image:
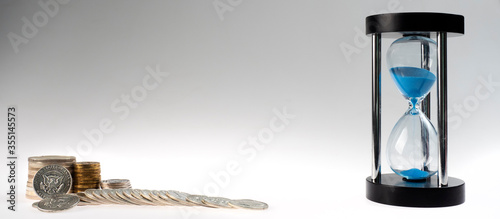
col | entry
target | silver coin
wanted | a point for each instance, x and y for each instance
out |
(116, 181)
(35, 205)
(248, 204)
(105, 194)
(121, 194)
(217, 202)
(113, 193)
(144, 194)
(84, 198)
(58, 202)
(52, 158)
(133, 195)
(137, 194)
(51, 180)
(147, 195)
(154, 194)
(98, 194)
(91, 196)
(197, 200)
(163, 195)
(179, 196)
(115, 184)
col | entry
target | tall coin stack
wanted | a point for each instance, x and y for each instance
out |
(87, 175)
(35, 163)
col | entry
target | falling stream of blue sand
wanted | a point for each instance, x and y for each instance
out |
(413, 82)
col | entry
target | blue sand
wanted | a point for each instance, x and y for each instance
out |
(414, 174)
(413, 82)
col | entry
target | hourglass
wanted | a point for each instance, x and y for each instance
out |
(416, 152)
(412, 145)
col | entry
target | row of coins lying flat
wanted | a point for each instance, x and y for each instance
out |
(163, 198)
(141, 197)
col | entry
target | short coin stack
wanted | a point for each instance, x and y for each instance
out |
(87, 175)
(36, 163)
(116, 184)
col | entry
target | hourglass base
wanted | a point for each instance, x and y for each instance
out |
(393, 190)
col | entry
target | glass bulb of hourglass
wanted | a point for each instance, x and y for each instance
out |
(412, 145)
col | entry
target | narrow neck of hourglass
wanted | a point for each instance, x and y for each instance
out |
(414, 105)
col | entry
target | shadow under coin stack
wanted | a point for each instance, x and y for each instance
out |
(35, 163)
(87, 175)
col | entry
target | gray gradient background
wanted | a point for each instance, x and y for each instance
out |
(226, 78)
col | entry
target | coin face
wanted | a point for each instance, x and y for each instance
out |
(51, 180)
(58, 202)
(248, 204)
(217, 202)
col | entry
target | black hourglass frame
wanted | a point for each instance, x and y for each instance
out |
(439, 190)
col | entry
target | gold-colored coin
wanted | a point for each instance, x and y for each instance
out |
(88, 178)
(87, 165)
(87, 182)
(86, 171)
(85, 187)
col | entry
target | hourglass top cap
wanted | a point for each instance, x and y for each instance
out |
(418, 23)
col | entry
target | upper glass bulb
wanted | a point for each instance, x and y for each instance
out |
(412, 62)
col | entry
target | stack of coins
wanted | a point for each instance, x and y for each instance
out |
(116, 184)
(86, 175)
(35, 163)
